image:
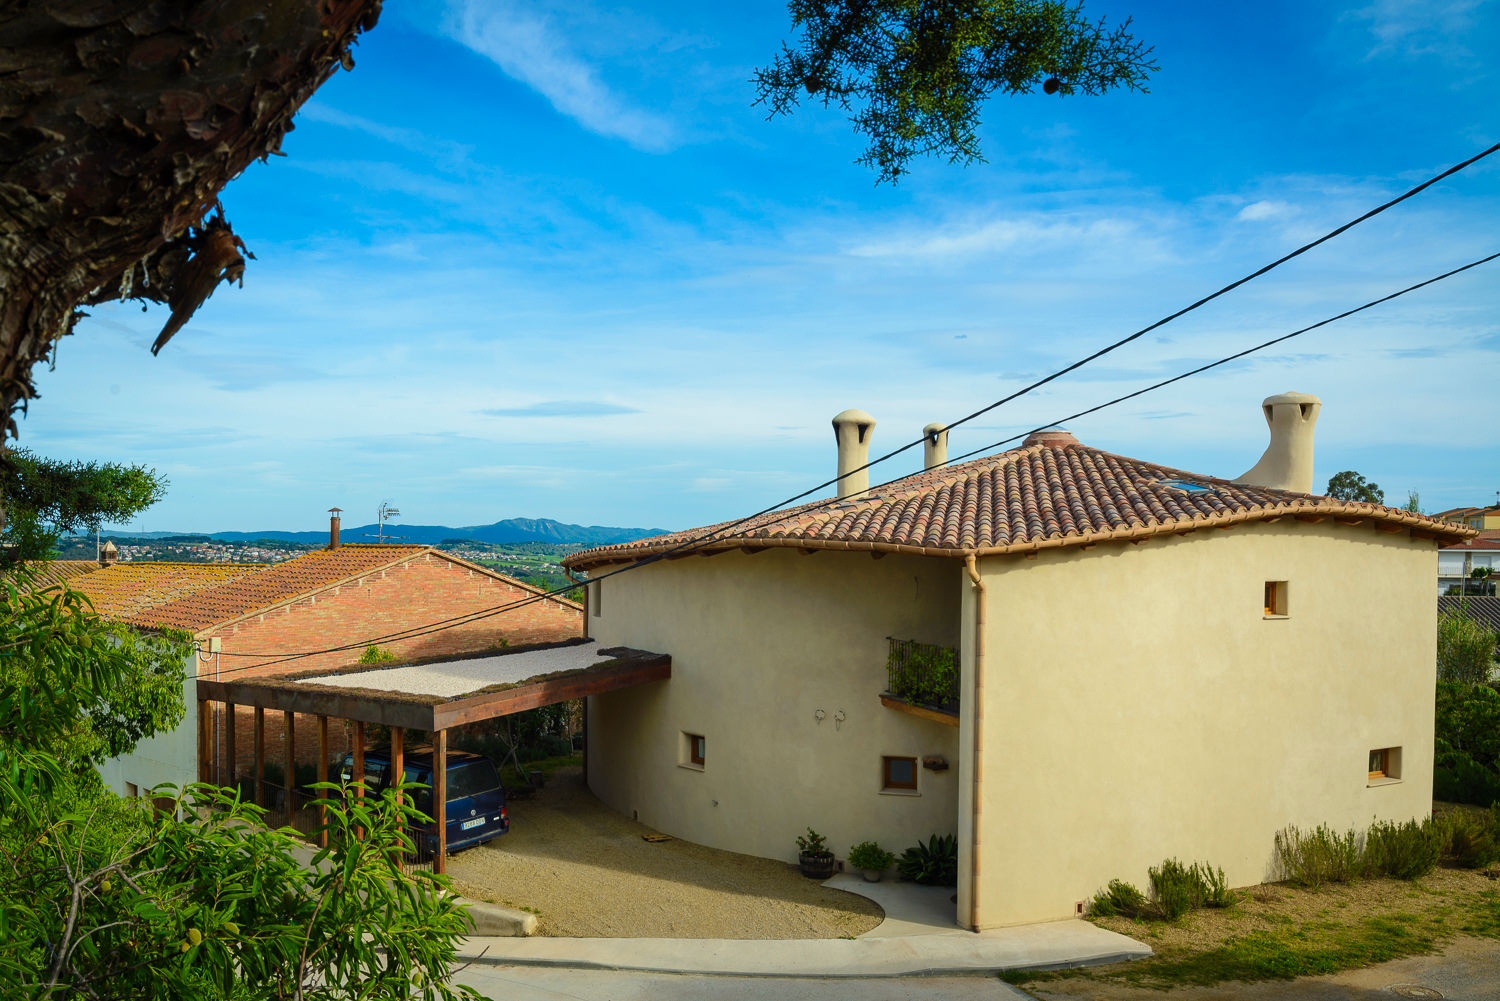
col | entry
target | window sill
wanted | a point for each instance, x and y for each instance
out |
(900, 792)
(1387, 781)
(690, 766)
(1276, 616)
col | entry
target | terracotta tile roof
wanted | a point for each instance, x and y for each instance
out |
(1050, 492)
(1476, 544)
(269, 586)
(55, 571)
(128, 591)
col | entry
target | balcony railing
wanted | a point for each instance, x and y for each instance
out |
(924, 675)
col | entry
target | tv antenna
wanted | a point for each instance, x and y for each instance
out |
(386, 511)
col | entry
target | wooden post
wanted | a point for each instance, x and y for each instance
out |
(440, 799)
(585, 741)
(398, 771)
(260, 756)
(322, 777)
(229, 750)
(289, 750)
(359, 769)
(205, 740)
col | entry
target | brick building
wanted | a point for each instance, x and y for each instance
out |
(316, 612)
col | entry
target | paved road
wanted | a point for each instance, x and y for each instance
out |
(531, 983)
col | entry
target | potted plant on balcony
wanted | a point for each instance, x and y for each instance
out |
(871, 859)
(813, 856)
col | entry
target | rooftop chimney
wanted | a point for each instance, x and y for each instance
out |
(1288, 461)
(333, 527)
(109, 553)
(934, 446)
(852, 430)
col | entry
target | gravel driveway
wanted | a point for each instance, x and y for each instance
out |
(587, 872)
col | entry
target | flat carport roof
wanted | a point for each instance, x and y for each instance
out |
(438, 695)
(431, 696)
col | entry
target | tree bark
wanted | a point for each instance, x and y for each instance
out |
(120, 123)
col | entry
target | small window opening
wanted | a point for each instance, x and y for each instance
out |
(692, 751)
(1276, 595)
(898, 773)
(1385, 763)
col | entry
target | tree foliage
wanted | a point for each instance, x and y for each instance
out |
(47, 497)
(1350, 486)
(101, 898)
(1465, 649)
(914, 73)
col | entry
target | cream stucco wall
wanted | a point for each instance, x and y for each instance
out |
(1140, 705)
(759, 642)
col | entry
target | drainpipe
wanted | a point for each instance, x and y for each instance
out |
(971, 566)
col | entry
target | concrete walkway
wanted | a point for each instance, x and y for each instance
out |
(917, 938)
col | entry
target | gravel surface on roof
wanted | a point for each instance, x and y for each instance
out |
(450, 679)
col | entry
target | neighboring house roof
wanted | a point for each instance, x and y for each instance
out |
(271, 586)
(56, 571)
(1050, 492)
(1487, 541)
(1485, 611)
(129, 591)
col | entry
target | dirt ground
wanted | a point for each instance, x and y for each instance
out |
(586, 871)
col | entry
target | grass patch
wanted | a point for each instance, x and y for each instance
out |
(1279, 932)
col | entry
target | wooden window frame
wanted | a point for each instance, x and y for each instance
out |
(697, 749)
(888, 782)
(1380, 757)
(1276, 603)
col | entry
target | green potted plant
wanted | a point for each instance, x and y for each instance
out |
(813, 856)
(871, 859)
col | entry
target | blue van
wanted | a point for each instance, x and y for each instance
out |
(476, 799)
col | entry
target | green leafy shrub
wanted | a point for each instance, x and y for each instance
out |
(812, 843)
(1175, 888)
(869, 855)
(923, 673)
(376, 655)
(1467, 840)
(1322, 855)
(1467, 741)
(1404, 851)
(934, 863)
(1213, 888)
(1465, 649)
(1119, 897)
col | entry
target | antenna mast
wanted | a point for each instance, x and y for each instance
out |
(385, 511)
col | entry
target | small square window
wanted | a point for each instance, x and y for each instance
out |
(1276, 603)
(1385, 764)
(692, 750)
(898, 773)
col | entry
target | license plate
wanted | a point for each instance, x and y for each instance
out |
(476, 822)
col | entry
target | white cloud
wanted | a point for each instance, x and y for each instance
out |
(450, 153)
(529, 48)
(1420, 27)
(1261, 211)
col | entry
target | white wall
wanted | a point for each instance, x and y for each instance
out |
(168, 757)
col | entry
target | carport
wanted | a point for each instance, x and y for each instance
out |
(431, 696)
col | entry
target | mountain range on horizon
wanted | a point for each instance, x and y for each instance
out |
(506, 531)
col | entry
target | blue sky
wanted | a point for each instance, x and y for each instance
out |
(546, 260)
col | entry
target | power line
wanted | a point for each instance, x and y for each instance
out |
(415, 632)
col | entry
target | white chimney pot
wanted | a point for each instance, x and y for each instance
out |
(934, 446)
(1288, 461)
(852, 430)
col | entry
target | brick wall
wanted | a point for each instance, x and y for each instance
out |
(424, 589)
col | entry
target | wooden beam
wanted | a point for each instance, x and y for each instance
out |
(260, 756)
(440, 799)
(922, 712)
(1386, 526)
(358, 775)
(322, 777)
(340, 705)
(1311, 519)
(1348, 521)
(230, 712)
(545, 693)
(398, 774)
(205, 741)
(289, 753)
